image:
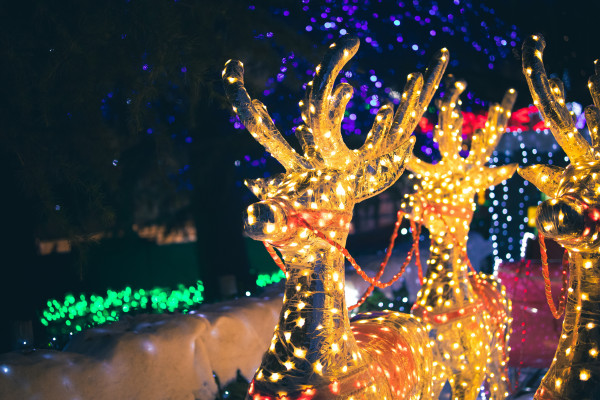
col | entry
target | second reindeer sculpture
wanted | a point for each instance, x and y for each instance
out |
(467, 314)
(314, 353)
(571, 217)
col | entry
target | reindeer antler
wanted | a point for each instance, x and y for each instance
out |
(255, 118)
(323, 111)
(548, 96)
(485, 141)
(386, 146)
(448, 135)
(324, 107)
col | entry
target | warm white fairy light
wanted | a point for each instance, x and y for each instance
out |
(469, 314)
(306, 210)
(571, 217)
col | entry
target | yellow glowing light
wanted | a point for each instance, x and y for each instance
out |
(555, 219)
(320, 187)
(444, 202)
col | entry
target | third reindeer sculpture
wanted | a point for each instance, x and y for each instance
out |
(466, 314)
(571, 217)
(316, 353)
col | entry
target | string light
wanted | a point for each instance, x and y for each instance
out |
(76, 313)
(467, 314)
(306, 210)
(570, 217)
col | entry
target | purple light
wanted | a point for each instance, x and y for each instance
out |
(188, 139)
(286, 13)
(145, 67)
(183, 69)
(432, 32)
(399, 39)
(308, 28)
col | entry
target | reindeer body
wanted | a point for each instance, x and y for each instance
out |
(469, 325)
(570, 217)
(316, 353)
(466, 314)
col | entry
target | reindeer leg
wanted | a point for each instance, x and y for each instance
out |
(497, 374)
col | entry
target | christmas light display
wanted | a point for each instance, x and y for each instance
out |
(314, 353)
(570, 217)
(76, 313)
(467, 314)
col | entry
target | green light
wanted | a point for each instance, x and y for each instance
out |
(82, 311)
(266, 279)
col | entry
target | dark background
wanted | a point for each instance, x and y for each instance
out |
(113, 115)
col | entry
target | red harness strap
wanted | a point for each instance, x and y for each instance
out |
(442, 318)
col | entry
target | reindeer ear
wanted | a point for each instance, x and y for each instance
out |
(264, 188)
(492, 176)
(376, 175)
(545, 177)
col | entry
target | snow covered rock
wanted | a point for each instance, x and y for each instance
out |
(149, 356)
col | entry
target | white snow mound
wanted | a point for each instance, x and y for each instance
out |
(148, 356)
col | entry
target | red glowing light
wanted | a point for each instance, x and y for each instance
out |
(335, 387)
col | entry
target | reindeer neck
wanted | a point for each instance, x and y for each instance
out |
(575, 371)
(447, 286)
(312, 343)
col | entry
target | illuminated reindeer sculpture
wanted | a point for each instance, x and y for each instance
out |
(314, 354)
(571, 217)
(467, 314)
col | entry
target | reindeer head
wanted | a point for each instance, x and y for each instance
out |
(571, 214)
(444, 195)
(322, 185)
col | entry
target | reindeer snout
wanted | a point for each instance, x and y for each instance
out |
(267, 221)
(561, 219)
